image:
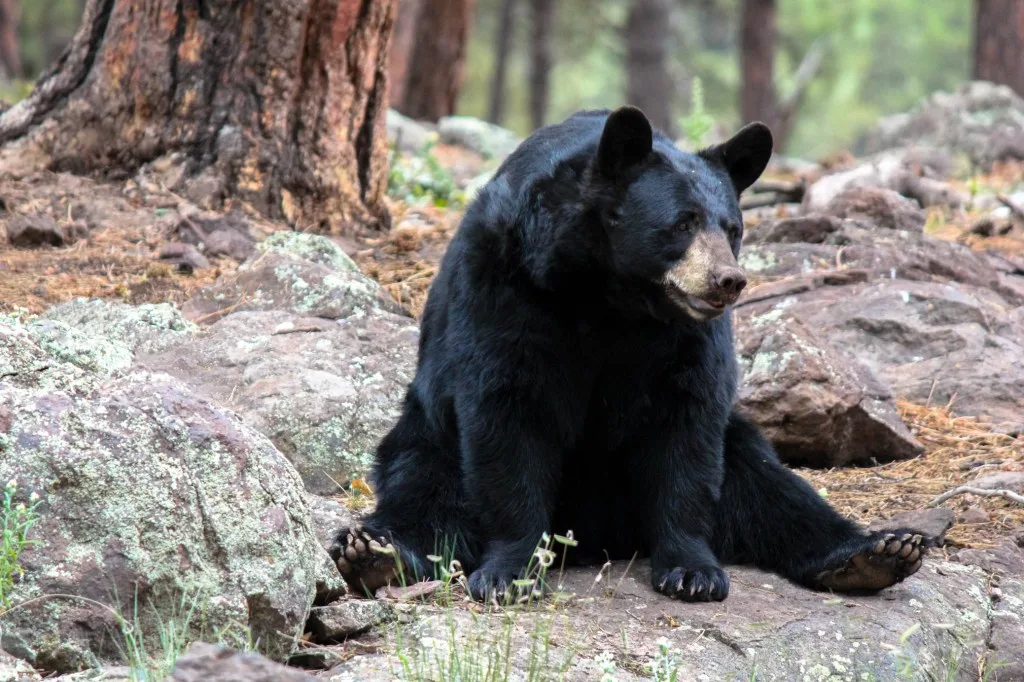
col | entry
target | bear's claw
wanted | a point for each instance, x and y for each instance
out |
(887, 560)
(366, 563)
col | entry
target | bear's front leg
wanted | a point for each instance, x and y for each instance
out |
(513, 446)
(677, 479)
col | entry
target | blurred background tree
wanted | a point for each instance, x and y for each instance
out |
(819, 71)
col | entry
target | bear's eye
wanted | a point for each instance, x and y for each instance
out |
(687, 224)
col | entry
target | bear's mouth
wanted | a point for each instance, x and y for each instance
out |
(700, 309)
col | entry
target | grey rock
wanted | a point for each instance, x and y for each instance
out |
(341, 620)
(933, 522)
(1001, 480)
(149, 495)
(487, 139)
(982, 120)
(230, 243)
(408, 135)
(210, 663)
(324, 391)
(185, 257)
(878, 207)
(30, 231)
(328, 518)
(15, 670)
(973, 515)
(816, 404)
(301, 273)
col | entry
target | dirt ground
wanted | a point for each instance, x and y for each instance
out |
(126, 224)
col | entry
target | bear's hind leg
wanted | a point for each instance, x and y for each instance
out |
(420, 511)
(770, 517)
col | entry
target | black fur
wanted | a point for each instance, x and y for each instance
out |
(560, 388)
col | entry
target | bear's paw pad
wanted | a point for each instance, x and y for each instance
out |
(706, 583)
(365, 562)
(886, 559)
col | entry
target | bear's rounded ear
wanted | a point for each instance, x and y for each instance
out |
(745, 155)
(626, 141)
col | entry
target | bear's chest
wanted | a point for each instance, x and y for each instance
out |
(646, 377)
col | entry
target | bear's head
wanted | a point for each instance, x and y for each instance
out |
(675, 220)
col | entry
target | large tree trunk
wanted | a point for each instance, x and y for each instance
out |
(542, 18)
(999, 42)
(278, 103)
(401, 49)
(10, 53)
(438, 54)
(502, 47)
(758, 36)
(648, 83)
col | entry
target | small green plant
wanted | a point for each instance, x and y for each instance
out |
(421, 179)
(698, 122)
(665, 664)
(151, 658)
(18, 518)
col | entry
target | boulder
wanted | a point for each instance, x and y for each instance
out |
(324, 391)
(211, 663)
(297, 272)
(409, 136)
(153, 500)
(16, 670)
(341, 620)
(30, 231)
(982, 120)
(818, 406)
(487, 139)
(881, 208)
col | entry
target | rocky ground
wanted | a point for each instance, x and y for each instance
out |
(193, 397)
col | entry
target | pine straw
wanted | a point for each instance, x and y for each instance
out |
(957, 450)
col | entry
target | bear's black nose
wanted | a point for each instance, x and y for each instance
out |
(730, 281)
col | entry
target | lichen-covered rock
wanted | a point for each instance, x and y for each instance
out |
(210, 663)
(817, 405)
(297, 272)
(983, 120)
(348, 618)
(487, 139)
(324, 391)
(15, 670)
(149, 495)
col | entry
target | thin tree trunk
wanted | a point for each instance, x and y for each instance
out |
(502, 46)
(401, 49)
(542, 17)
(278, 103)
(999, 42)
(648, 83)
(438, 55)
(758, 37)
(10, 52)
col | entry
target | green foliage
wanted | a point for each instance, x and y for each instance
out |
(421, 179)
(698, 123)
(17, 518)
(883, 57)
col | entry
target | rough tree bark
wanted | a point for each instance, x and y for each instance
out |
(10, 54)
(758, 36)
(542, 17)
(438, 54)
(401, 49)
(278, 103)
(502, 47)
(999, 42)
(759, 99)
(648, 83)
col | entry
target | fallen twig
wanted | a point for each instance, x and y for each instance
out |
(981, 492)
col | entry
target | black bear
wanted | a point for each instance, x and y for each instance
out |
(576, 371)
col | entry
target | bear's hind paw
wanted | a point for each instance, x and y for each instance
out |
(366, 563)
(885, 559)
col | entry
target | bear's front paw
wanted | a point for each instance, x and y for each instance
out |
(703, 583)
(366, 563)
(881, 560)
(497, 585)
